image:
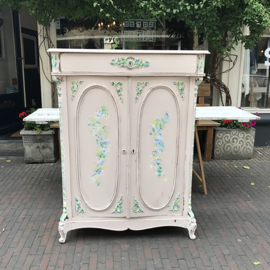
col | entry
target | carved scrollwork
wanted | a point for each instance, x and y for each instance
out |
(192, 226)
(236, 143)
(130, 62)
(63, 235)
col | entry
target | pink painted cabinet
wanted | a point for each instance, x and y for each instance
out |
(127, 125)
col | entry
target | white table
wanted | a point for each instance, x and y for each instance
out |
(42, 116)
(217, 113)
(224, 113)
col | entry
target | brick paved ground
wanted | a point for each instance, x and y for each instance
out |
(233, 224)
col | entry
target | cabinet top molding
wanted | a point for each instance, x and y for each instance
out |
(132, 52)
(69, 62)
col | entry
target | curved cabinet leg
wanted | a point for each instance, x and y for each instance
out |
(62, 232)
(192, 226)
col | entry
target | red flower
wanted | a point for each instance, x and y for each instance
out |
(22, 114)
(227, 121)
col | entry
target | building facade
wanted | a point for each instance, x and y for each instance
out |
(19, 66)
(24, 57)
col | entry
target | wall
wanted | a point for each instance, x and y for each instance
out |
(45, 66)
(233, 78)
(7, 64)
(27, 21)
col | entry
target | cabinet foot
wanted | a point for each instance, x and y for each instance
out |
(62, 232)
(192, 226)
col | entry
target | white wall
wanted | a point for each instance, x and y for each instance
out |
(45, 66)
(233, 78)
(7, 64)
(27, 20)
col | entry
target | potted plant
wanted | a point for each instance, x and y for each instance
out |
(39, 141)
(234, 140)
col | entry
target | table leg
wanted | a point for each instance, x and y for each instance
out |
(208, 144)
(59, 141)
(202, 177)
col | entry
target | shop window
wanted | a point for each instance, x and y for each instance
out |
(137, 34)
(255, 82)
(1, 37)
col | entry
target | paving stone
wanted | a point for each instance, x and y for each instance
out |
(233, 224)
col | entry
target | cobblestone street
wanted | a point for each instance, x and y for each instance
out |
(233, 224)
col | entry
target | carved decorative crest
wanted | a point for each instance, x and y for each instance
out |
(130, 62)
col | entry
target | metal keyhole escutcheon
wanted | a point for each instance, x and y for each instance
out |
(133, 151)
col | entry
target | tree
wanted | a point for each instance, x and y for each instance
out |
(220, 21)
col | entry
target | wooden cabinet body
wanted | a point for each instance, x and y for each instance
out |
(127, 125)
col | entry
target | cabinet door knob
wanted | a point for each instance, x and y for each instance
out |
(124, 151)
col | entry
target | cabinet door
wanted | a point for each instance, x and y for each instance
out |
(158, 133)
(97, 134)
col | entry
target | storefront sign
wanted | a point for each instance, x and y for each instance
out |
(267, 54)
(139, 30)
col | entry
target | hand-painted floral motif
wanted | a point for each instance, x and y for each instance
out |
(64, 214)
(157, 130)
(101, 133)
(139, 88)
(118, 87)
(201, 64)
(197, 83)
(54, 61)
(130, 62)
(176, 206)
(181, 87)
(78, 207)
(136, 207)
(74, 88)
(118, 208)
(57, 82)
(191, 214)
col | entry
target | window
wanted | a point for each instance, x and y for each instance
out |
(138, 34)
(1, 37)
(255, 82)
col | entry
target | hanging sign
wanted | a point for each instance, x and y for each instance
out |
(139, 30)
(267, 54)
